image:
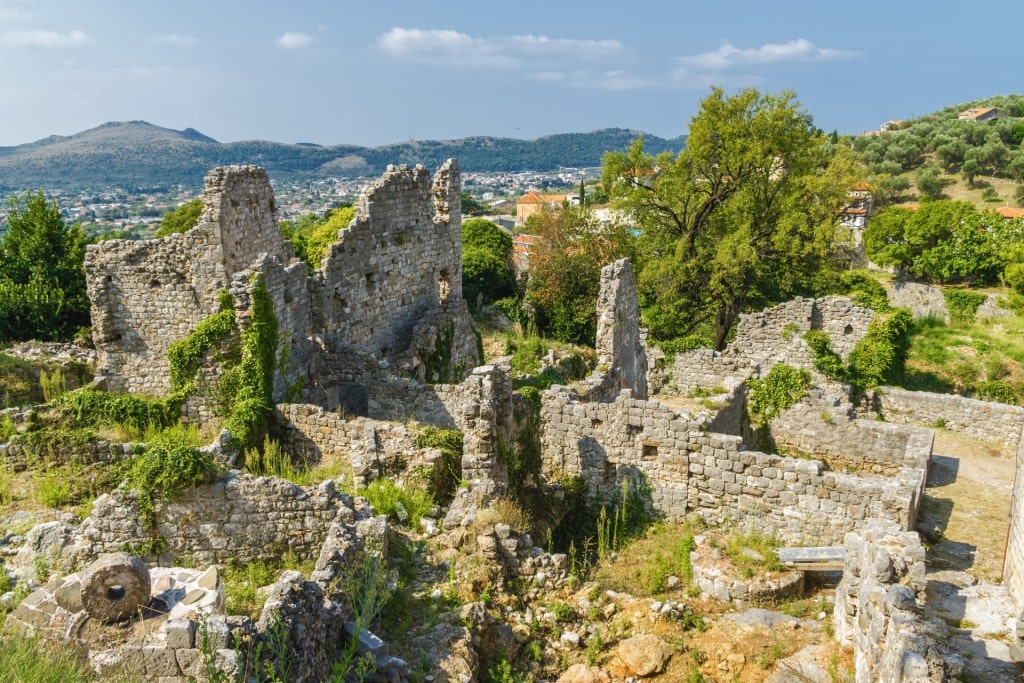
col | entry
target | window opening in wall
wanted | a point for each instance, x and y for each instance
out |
(848, 329)
(444, 287)
(608, 475)
(370, 281)
(649, 452)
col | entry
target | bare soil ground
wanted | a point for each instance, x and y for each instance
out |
(965, 512)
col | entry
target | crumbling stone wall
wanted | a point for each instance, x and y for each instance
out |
(765, 339)
(145, 295)
(398, 260)
(821, 425)
(391, 286)
(239, 517)
(691, 470)
(984, 420)
(879, 609)
(620, 350)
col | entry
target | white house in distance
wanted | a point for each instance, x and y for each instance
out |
(981, 114)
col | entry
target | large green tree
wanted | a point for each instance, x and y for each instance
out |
(745, 216)
(181, 219)
(42, 277)
(487, 273)
(565, 271)
(943, 240)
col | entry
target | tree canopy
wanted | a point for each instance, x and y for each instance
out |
(565, 271)
(944, 240)
(42, 277)
(487, 273)
(744, 217)
(181, 219)
(310, 235)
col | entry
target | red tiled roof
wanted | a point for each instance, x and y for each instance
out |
(1010, 212)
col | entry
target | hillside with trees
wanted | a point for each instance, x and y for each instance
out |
(941, 155)
(139, 154)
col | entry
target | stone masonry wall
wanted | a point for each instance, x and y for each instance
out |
(878, 609)
(985, 420)
(619, 346)
(399, 259)
(765, 339)
(239, 517)
(823, 426)
(922, 300)
(1013, 567)
(688, 470)
(147, 294)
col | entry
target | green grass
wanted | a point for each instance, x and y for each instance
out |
(967, 358)
(242, 581)
(31, 660)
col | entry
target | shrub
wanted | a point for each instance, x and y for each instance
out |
(962, 305)
(165, 470)
(865, 290)
(90, 407)
(449, 442)
(996, 390)
(880, 355)
(404, 506)
(782, 387)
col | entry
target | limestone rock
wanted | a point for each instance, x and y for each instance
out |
(581, 673)
(645, 654)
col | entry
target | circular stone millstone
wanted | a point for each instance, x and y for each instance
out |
(115, 586)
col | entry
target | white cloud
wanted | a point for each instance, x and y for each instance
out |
(507, 52)
(11, 11)
(175, 39)
(43, 39)
(729, 56)
(293, 40)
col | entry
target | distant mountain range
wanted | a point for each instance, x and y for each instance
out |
(138, 154)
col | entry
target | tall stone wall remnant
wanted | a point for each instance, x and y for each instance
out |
(390, 286)
(620, 348)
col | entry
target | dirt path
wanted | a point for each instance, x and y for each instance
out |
(964, 519)
(965, 512)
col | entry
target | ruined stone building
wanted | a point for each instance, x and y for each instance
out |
(379, 335)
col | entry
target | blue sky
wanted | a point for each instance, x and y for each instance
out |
(372, 73)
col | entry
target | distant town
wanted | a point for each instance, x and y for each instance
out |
(137, 212)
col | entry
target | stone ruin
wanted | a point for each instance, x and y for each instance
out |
(362, 335)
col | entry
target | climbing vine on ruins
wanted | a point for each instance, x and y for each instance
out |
(826, 361)
(165, 470)
(251, 407)
(880, 354)
(185, 354)
(449, 442)
(782, 387)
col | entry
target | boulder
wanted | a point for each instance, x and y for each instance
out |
(645, 654)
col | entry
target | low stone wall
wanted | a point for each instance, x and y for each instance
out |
(922, 300)
(714, 584)
(800, 501)
(690, 470)
(240, 517)
(985, 420)
(16, 456)
(823, 427)
(879, 609)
